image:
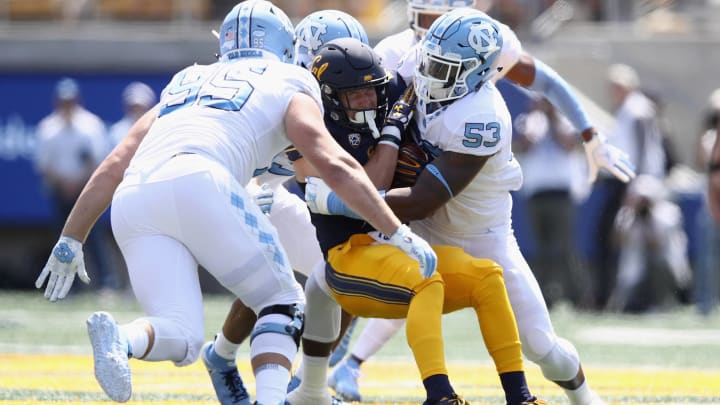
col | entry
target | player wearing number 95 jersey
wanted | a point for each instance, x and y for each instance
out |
(181, 203)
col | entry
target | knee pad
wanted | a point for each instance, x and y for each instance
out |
(561, 363)
(294, 328)
(278, 330)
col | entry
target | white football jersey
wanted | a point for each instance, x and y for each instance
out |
(393, 51)
(231, 112)
(477, 124)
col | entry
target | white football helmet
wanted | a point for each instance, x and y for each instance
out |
(321, 27)
(433, 8)
(257, 28)
(457, 55)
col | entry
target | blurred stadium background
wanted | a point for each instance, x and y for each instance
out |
(106, 44)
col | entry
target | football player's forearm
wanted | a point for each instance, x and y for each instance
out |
(416, 202)
(357, 191)
(381, 166)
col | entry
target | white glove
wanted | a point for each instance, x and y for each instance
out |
(415, 247)
(601, 154)
(65, 261)
(263, 195)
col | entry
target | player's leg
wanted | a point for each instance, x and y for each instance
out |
(322, 327)
(291, 218)
(219, 355)
(398, 290)
(343, 344)
(478, 283)
(344, 378)
(557, 357)
(174, 321)
(239, 246)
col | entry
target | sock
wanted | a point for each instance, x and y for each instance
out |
(581, 395)
(136, 335)
(314, 376)
(225, 348)
(437, 387)
(271, 384)
(515, 387)
(374, 335)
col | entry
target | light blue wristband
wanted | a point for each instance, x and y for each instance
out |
(336, 206)
(549, 83)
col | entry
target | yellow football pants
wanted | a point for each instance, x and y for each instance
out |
(380, 281)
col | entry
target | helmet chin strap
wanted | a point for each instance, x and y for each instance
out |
(366, 117)
(373, 127)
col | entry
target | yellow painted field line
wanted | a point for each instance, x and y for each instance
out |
(66, 375)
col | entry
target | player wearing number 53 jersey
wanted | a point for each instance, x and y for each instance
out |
(181, 203)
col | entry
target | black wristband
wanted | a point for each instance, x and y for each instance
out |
(389, 138)
(714, 167)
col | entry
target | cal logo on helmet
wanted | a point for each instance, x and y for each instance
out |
(318, 69)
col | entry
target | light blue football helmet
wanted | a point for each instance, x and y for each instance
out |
(457, 55)
(321, 27)
(257, 28)
(434, 8)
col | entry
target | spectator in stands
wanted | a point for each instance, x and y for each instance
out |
(637, 132)
(546, 142)
(654, 269)
(137, 98)
(71, 142)
(707, 279)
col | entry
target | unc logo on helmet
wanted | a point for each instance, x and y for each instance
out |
(258, 26)
(308, 36)
(321, 27)
(482, 38)
(457, 55)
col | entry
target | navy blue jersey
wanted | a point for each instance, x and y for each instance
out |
(335, 229)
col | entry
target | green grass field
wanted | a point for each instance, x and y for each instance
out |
(668, 358)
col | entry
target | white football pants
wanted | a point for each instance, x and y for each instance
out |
(191, 211)
(291, 217)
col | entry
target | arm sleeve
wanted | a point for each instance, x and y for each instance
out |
(549, 83)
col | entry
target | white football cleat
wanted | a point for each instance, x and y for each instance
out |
(112, 369)
(301, 397)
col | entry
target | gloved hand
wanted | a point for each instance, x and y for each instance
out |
(65, 261)
(263, 195)
(601, 154)
(322, 200)
(398, 118)
(415, 247)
